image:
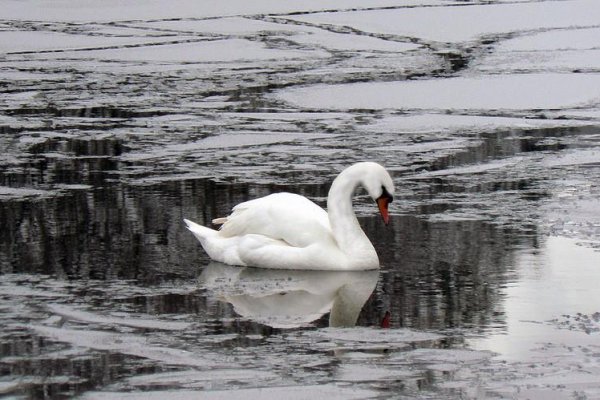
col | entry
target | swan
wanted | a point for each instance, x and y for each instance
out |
(288, 231)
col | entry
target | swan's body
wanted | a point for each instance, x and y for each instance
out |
(288, 231)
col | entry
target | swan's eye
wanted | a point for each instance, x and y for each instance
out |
(386, 194)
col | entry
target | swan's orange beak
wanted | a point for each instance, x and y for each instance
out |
(382, 203)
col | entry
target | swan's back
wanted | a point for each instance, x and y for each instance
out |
(281, 216)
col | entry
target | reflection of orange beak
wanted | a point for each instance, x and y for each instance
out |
(385, 322)
(383, 202)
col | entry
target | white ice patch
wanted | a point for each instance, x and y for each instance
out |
(465, 23)
(472, 169)
(115, 10)
(243, 140)
(572, 158)
(361, 335)
(563, 39)
(584, 115)
(9, 193)
(491, 92)
(445, 356)
(558, 61)
(134, 345)
(13, 76)
(33, 41)
(225, 141)
(84, 316)
(6, 388)
(24, 291)
(574, 213)
(367, 373)
(225, 26)
(227, 50)
(558, 50)
(442, 123)
(351, 42)
(328, 391)
(195, 378)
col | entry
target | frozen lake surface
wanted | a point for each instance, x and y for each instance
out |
(116, 122)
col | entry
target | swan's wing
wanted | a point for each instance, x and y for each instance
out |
(261, 250)
(282, 216)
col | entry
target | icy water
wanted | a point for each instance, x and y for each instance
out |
(118, 122)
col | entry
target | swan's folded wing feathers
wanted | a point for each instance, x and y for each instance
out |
(281, 216)
(219, 221)
(229, 226)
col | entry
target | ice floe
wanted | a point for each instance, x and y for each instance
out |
(465, 23)
(40, 41)
(330, 391)
(459, 124)
(221, 50)
(200, 379)
(12, 193)
(135, 345)
(71, 313)
(573, 158)
(557, 39)
(113, 10)
(492, 92)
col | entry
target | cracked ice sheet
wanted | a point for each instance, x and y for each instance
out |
(329, 391)
(340, 41)
(71, 313)
(226, 142)
(568, 39)
(491, 92)
(226, 26)
(300, 34)
(564, 49)
(564, 61)
(465, 23)
(442, 123)
(297, 33)
(135, 345)
(115, 10)
(573, 158)
(32, 41)
(205, 51)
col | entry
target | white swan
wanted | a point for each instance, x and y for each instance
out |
(288, 231)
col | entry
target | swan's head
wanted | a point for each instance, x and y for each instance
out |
(378, 183)
(380, 187)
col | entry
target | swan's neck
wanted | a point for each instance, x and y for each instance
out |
(347, 232)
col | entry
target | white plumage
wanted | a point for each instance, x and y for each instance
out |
(288, 231)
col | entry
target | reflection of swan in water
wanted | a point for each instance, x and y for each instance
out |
(288, 298)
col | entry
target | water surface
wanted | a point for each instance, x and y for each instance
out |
(117, 123)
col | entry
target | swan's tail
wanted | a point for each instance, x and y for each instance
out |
(201, 232)
(218, 248)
